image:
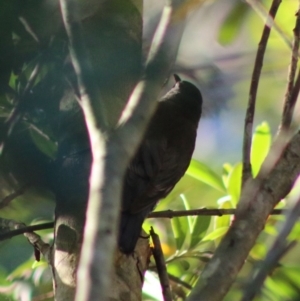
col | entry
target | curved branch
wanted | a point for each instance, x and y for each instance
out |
(248, 127)
(258, 198)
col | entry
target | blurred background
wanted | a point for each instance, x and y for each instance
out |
(217, 53)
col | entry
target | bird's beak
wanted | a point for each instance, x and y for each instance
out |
(177, 78)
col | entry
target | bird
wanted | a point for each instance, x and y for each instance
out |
(158, 164)
(161, 159)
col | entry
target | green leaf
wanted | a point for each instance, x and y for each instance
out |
(43, 142)
(295, 233)
(270, 229)
(3, 277)
(21, 270)
(225, 173)
(201, 224)
(180, 226)
(12, 81)
(233, 23)
(281, 288)
(197, 226)
(227, 167)
(261, 142)
(291, 273)
(203, 173)
(234, 183)
(187, 207)
(215, 234)
(259, 251)
(225, 220)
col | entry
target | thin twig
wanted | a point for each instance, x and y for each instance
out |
(268, 266)
(39, 246)
(172, 278)
(12, 233)
(262, 12)
(296, 89)
(157, 214)
(198, 212)
(34, 239)
(6, 200)
(290, 99)
(29, 29)
(161, 266)
(248, 127)
(179, 281)
(90, 101)
(18, 110)
(280, 247)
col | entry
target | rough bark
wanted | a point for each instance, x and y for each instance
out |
(113, 35)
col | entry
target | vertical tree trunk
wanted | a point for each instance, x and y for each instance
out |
(113, 35)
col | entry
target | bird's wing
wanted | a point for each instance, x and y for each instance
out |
(152, 175)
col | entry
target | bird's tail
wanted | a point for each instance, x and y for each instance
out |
(130, 229)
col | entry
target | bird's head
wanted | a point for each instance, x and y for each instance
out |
(187, 95)
(189, 90)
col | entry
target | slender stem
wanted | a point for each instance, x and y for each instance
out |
(161, 266)
(6, 200)
(280, 246)
(262, 12)
(291, 93)
(25, 229)
(90, 100)
(201, 212)
(18, 110)
(248, 126)
(157, 214)
(96, 281)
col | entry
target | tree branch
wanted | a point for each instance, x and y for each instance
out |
(34, 239)
(12, 233)
(248, 127)
(290, 99)
(198, 212)
(112, 154)
(95, 280)
(162, 55)
(280, 246)
(5, 201)
(262, 12)
(90, 100)
(161, 266)
(258, 198)
(18, 109)
(156, 214)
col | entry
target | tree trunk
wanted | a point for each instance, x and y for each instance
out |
(113, 36)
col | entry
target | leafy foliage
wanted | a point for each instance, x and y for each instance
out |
(188, 242)
(196, 238)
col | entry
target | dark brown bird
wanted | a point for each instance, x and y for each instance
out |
(161, 160)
